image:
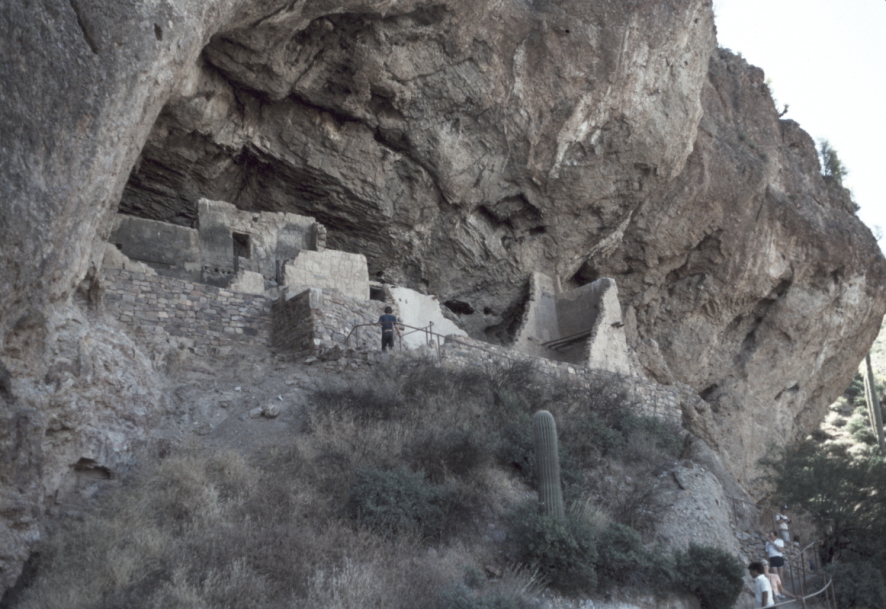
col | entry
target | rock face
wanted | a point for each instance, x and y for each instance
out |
(460, 147)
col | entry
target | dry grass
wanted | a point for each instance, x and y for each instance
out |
(218, 531)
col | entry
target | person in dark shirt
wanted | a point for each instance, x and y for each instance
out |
(388, 325)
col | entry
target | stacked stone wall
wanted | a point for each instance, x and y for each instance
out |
(319, 321)
(648, 398)
(316, 321)
(207, 317)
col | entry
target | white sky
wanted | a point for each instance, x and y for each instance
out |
(826, 59)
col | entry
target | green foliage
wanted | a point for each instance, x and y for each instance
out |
(365, 401)
(859, 427)
(831, 165)
(844, 496)
(514, 444)
(858, 586)
(563, 549)
(441, 453)
(716, 577)
(620, 554)
(458, 596)
(854, 393)
(395, 501)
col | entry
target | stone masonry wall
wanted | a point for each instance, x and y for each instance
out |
(206, 316)
(316, 321)
(650, 398)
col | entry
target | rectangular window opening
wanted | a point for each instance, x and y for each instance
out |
(241, 245)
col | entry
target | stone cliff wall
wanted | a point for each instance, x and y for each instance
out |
(460, 146)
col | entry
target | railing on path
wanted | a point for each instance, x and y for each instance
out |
(803, 574)
(432, 339)
(437, 340)
(807, 580)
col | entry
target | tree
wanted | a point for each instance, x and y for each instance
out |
(873, 402)
(831, 165)
(844, 495)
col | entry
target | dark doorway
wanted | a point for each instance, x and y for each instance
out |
(241, 245)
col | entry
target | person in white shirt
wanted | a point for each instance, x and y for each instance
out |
(775, 552)
(762, 588)
(783, 523)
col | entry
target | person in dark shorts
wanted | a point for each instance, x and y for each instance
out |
(775, 551)
(388, 325)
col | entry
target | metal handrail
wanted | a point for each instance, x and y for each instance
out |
(445, 338)
(800, 576)
(427, 330)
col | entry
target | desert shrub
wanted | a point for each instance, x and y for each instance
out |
(441, 453)
(423, 378)
(398, 501)
(375, 399)
(619, 552)
(563, 549)
(858, 585)
(859, 427)
(639, 502)
(635, 495)
(713, 575)
(514, 446)
(522, 375)
(459, 596)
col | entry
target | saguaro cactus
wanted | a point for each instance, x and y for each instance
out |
(873, 401)
(547, 463)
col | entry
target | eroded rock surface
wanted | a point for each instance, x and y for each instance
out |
(460, 146)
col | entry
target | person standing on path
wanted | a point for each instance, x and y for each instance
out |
(763, 596)
(783, 523)
(775, 552)
(388, 323)
(775, 582)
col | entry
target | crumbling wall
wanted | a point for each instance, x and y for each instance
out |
(581, 326)
(330, 269)
(607, 347)
(268, 239)
(540, 319)
(317, 320)
(419, 311)
(206, 317)
(164, 246)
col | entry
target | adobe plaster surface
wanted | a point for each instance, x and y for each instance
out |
(421, 310)
(330, 269)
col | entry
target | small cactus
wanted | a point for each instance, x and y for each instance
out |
(547, 463)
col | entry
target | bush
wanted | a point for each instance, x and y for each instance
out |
(858, 585)
(371, 400)
(424, 378)
(713, 575)
(564, 550)
(396, 501)
(843, 494)
(458, 596)
(441, 453)
(620, 553)
(859, 427)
